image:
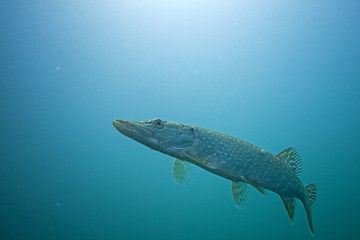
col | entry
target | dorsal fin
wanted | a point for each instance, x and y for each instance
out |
(292, 158)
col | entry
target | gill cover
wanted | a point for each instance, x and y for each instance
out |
(172, 136)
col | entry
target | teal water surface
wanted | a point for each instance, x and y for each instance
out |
(274, 73)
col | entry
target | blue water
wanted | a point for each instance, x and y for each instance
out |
(274, 73)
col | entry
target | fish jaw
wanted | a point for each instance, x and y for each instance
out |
(166, 137)
(136, 131)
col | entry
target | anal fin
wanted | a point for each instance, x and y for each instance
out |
(240, 192)
(311, 193)
(289, 204)
(181, 171)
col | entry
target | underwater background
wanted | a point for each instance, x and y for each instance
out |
(274, 73)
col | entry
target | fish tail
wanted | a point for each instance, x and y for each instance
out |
(310, 199)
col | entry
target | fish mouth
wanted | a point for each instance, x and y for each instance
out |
(126, 127)
(120, 124)
(134, 130)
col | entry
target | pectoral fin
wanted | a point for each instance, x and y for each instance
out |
(260, 189)
(204, 162)
(181, 171)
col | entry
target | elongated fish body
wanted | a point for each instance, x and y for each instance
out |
(229, 157)
(238, 160)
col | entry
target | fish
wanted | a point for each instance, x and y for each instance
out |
(241, 162)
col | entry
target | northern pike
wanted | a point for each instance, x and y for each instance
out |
(229, 157)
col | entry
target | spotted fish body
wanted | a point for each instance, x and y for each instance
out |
(239, 161)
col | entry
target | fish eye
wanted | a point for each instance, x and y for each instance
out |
(158, 123)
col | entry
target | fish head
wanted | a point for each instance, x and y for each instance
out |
(167, 137)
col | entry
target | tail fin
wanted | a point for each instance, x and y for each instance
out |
(311, 197)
